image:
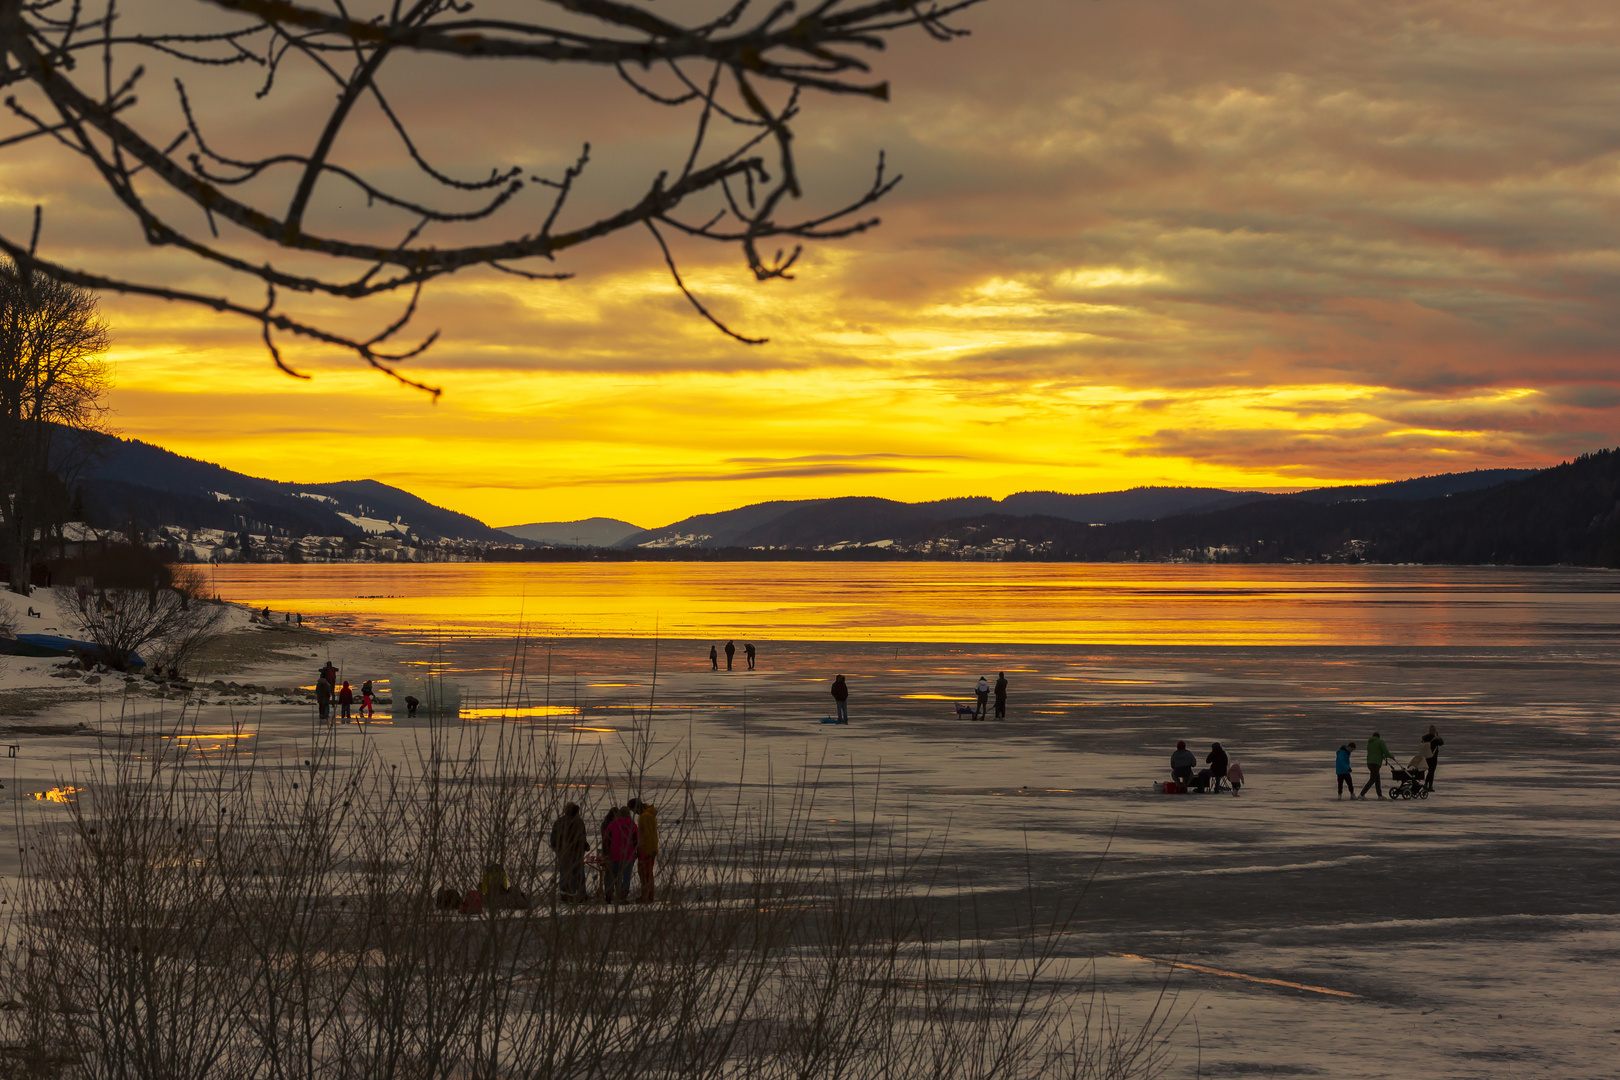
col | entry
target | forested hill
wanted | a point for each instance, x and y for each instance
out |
(1569, 514)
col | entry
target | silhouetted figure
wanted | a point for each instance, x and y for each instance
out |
(647, 851)
(840, 693)
(1216, 760)
(286, 616)
(568, 841)
(982, 692)
(1001, 695)
(1377, 754)
(300, 618)
(731, 650)
(329, 673)
(323, 696)
(1341, 769)
(411, 705)
(1432, 743)
(714, 658)
(346, 700)
(365, 699)
(748, 651)
(1182, 763)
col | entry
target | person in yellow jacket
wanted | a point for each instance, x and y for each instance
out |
(647, 822)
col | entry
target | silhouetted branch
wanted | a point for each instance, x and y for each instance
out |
(760, 61)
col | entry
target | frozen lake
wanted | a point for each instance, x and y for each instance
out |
(1474, 934)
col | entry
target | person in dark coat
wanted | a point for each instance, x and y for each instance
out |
(731, 650)
(330, 673)
(714, 658)
(1432, 742)
(1216, 760)
(840, 693)
(748, 651)
(323, 696)
(568, 841)
(981, 692)
(346, 700)
(1001, 695)
(1182, 761)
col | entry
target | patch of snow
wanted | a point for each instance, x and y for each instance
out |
(317, 498)
(220, 496)
(678, 540)
(376, 526)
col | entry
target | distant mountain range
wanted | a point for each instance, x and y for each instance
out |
(1566, 514)
(858, 520)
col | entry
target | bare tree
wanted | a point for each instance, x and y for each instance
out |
(170, 615)
(52, 376)
(740, 74)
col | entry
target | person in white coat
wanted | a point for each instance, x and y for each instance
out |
(983, 691)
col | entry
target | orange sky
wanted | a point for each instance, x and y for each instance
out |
(1242, 245)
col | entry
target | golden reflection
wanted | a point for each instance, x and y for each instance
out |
(517, 712)
(1033, 603)
(64, 794)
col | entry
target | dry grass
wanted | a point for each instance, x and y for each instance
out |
(217, 916)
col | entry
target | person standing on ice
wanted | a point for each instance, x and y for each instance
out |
(982, 692)
(329, 673)
(647, 849)
(623, 841)
(1377, 754)
(323, 695)
(1341, 767)
(731, 650)
(1432, 742)
(748, 651)
(365, 699)
(714, 658)
(1001, 695)
(346, 700)
(568, 841)
(840, 693)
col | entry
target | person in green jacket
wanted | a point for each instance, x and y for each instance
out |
(1377, 754)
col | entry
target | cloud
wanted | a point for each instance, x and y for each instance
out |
(1249, 245)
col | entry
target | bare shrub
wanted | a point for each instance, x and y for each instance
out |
(206, 913)
(172, 618)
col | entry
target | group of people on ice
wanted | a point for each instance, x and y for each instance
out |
(1221, 771)
(628, 841)
(1417, 778)
(329, 694)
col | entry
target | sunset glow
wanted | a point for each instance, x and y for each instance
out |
(1263, 247)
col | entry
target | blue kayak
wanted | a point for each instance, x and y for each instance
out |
(52, 645)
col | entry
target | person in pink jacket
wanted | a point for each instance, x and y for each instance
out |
(623, 841)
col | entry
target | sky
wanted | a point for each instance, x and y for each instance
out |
(1256, 245)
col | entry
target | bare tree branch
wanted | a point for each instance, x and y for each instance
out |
(760, 63)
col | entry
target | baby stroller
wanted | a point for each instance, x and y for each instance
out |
(1408, 784)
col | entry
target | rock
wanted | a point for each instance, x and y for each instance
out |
(91, 680)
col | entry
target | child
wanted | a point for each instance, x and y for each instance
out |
(1341, 766)
(1234, 773)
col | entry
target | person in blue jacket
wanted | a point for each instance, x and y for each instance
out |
(1341, 766)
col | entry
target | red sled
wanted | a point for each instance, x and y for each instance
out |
(1170, 788)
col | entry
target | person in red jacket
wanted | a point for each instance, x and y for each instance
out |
(346, 699)
(623, 842)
